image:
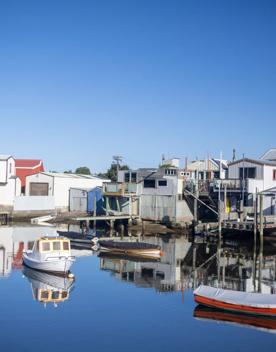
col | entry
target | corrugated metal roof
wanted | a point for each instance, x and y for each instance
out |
(28, 163)
(254, 161)
(269, 155)
(67, 175)
(5, 156)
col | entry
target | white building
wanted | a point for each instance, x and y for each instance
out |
(255, 175)
(10, 184)
(57, 185)
(160, 193)
(207, 169)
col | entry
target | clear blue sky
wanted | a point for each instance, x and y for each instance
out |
(81, 80)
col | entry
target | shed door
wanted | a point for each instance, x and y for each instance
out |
(79, 204)
(39, 189)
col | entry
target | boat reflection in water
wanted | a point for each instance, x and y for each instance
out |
(47, 288)
(259, 322)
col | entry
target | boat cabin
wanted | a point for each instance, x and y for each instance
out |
(52, 244)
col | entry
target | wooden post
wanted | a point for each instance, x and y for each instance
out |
(219, 212)
(87, 225)
(194, 265)
(106, 205)
(95, 212)
(255, 205)
(261, 242)
(218, 260)
(111, 227)
(196, 206)
(143, 227)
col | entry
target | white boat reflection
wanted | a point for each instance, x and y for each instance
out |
(47, 288)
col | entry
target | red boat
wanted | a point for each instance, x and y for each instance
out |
(236, 301)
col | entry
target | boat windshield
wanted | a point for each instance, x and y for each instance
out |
(53, 245)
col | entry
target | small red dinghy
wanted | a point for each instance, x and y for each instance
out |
(251, 303)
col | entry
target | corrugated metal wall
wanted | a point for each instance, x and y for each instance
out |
(158, 208)
(78, 200)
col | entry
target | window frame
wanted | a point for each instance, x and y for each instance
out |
(162, 181)
(149, 180)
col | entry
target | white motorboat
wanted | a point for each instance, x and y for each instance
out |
(51, 254)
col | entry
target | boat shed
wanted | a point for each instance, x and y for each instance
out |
(58, 185)
(82, 200)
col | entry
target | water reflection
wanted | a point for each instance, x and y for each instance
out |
(189, 262)
(238, 319)
(47, 288)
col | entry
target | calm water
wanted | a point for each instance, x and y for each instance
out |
(124, 305)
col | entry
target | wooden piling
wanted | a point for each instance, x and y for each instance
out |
(219, 212)
(261, 243)
(95, 213)
(255, 205)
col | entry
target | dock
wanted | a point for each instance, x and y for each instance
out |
(109, 219)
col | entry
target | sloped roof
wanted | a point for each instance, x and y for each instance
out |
(5, 156)
(269, 155)
(27, 163)
(67, 175)
(254, 161)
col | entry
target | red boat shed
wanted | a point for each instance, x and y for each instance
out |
(26, 167)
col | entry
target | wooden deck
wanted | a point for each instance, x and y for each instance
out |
(104, 218)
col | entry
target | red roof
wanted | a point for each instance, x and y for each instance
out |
(26, 167)
(27, 163)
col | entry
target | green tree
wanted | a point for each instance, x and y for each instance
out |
(111, 173)
(83, 170)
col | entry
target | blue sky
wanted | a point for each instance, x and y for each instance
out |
(82, 80)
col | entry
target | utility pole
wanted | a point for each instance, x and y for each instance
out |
(118, 159)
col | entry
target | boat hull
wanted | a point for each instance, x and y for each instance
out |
(58, 266)
(212, 303)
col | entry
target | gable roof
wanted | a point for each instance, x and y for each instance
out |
(76, 176)
(5, 157)
(270, 154)
(27, 163)
(254, 161)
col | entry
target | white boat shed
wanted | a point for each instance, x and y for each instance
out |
(57, 185)
(10, 184)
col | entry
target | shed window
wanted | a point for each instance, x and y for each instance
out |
(45, 246)
(247, 172)
(134, 177)
(127, 177)
(56, 246)
(149, 183)
(66, 246)
(162, 183)
(170, 172)
(274, 175)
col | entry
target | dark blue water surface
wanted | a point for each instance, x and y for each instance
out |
(118, 305)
